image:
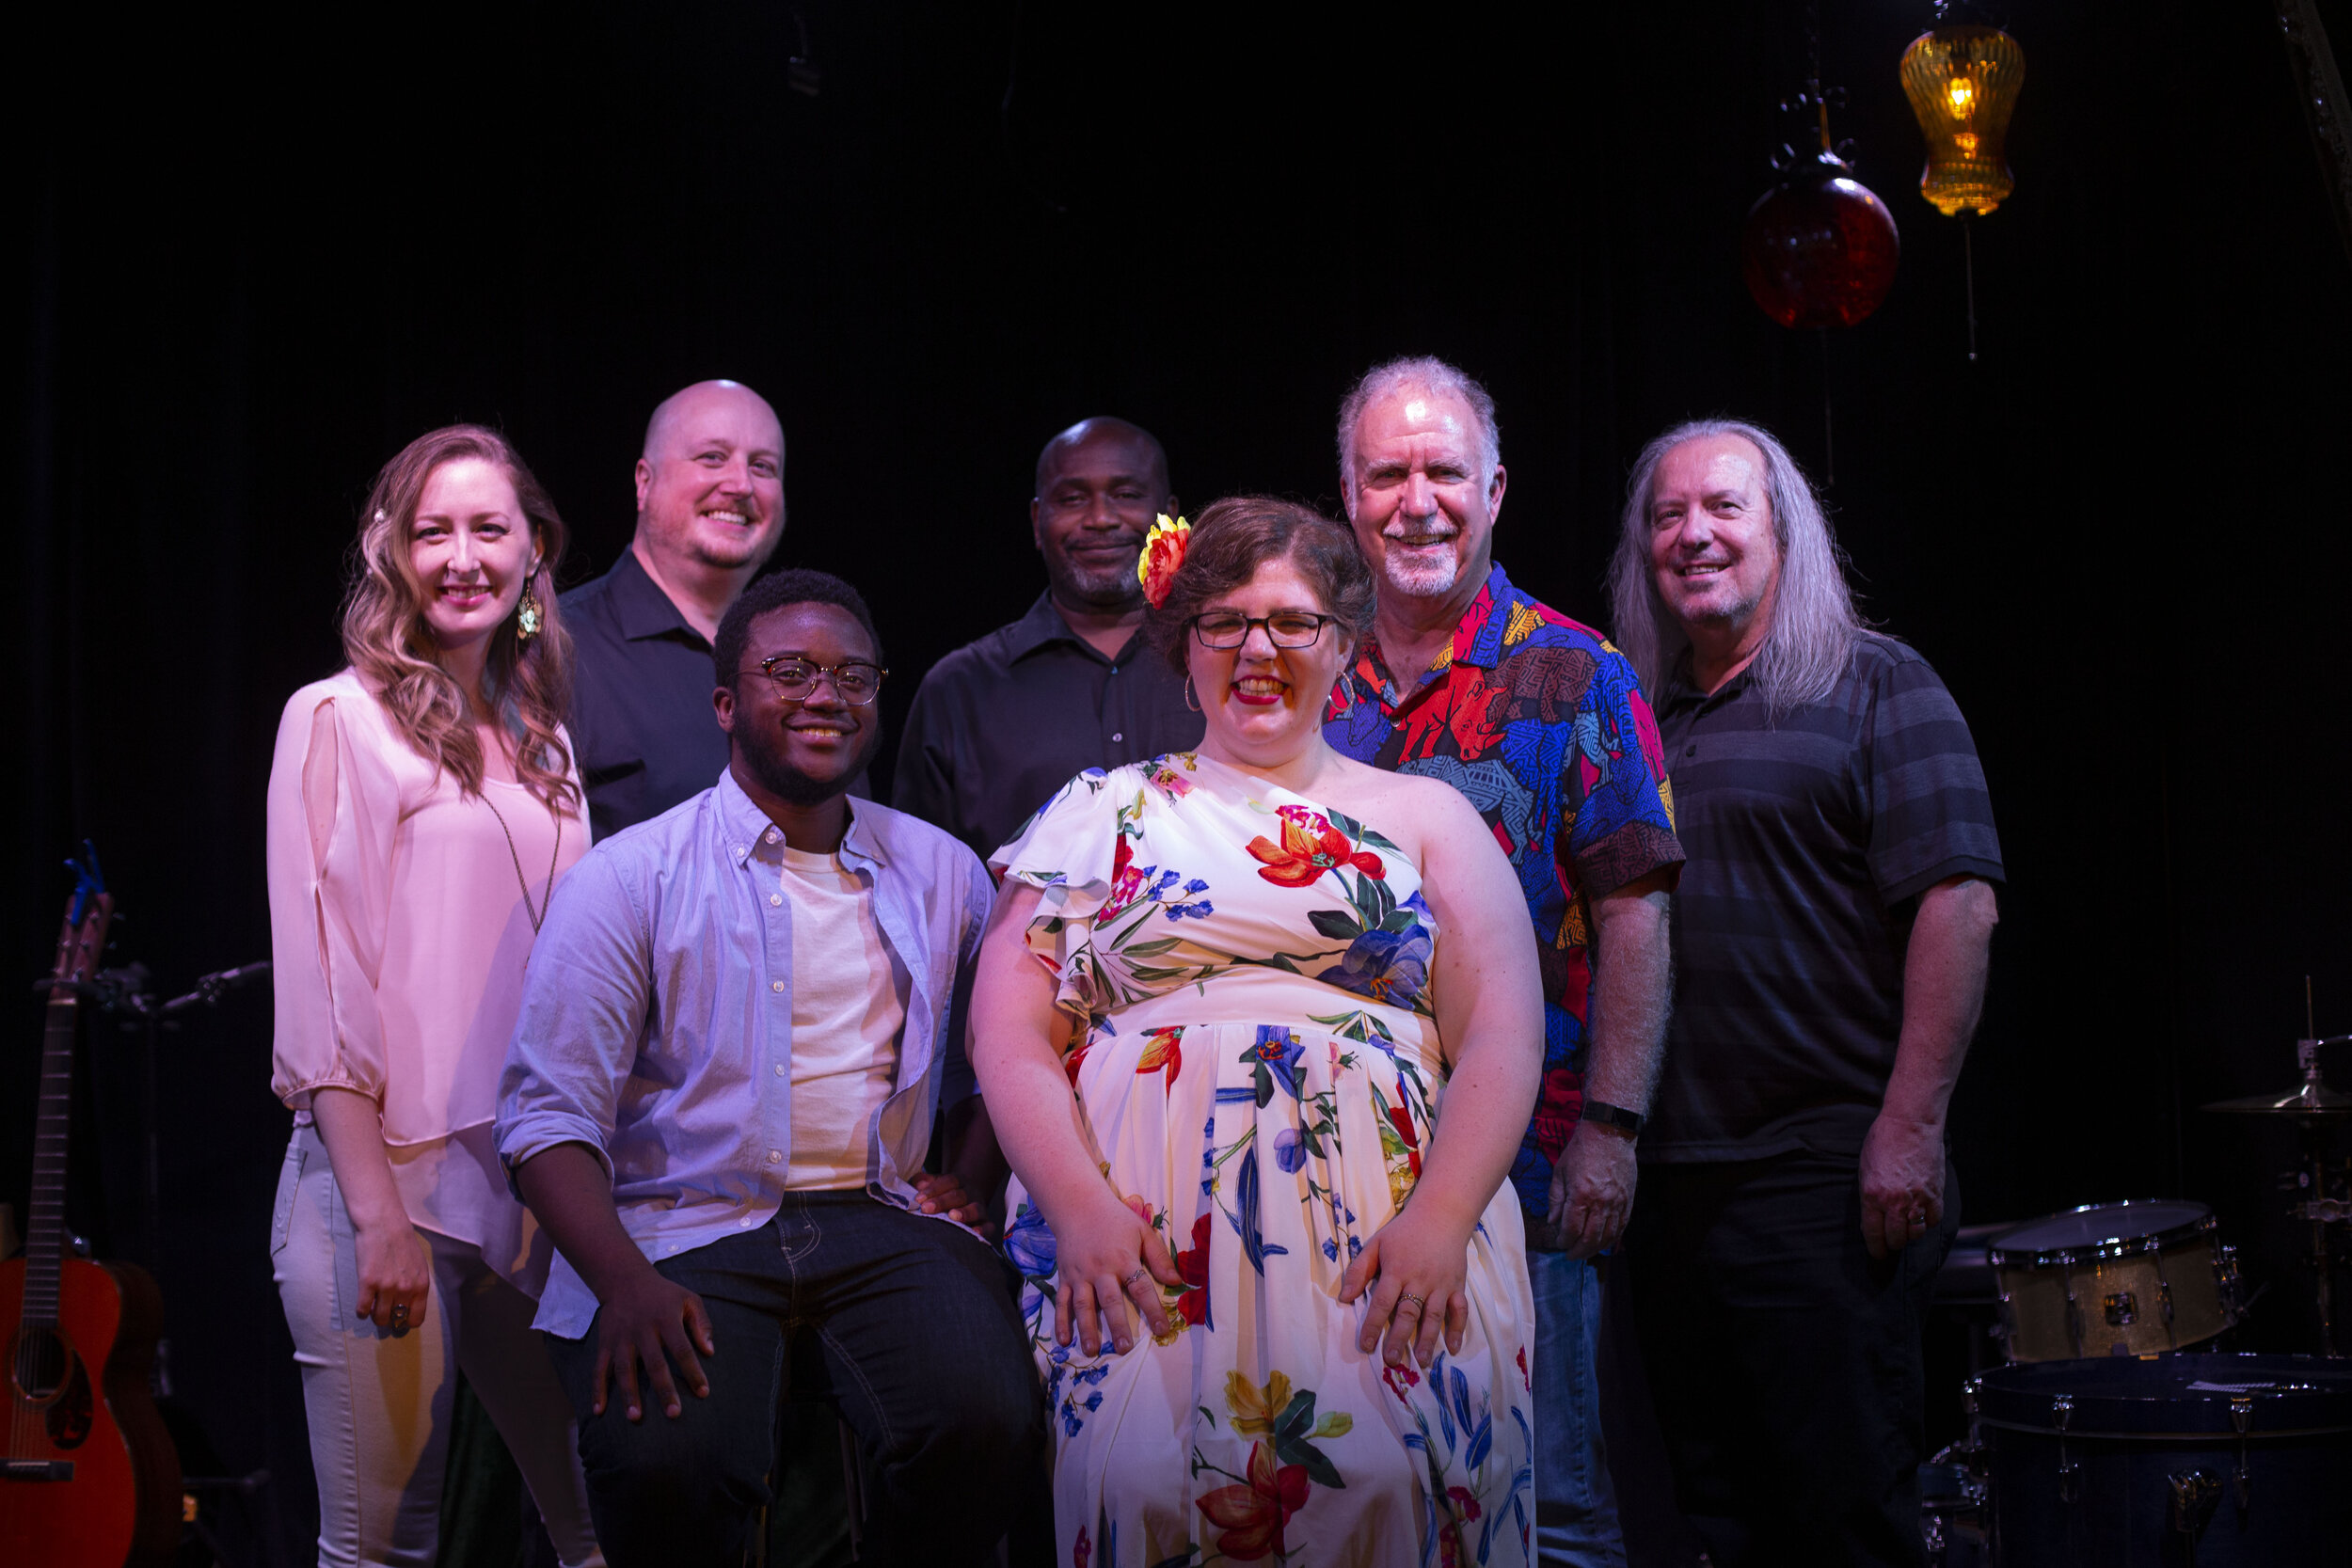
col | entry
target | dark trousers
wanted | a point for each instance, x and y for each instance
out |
(903, 1323)
(1785, 1363)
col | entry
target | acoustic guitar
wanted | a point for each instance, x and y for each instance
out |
(91, 1477)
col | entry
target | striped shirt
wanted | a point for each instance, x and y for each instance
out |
(1811, 838)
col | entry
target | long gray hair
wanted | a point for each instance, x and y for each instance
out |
(1814, 620)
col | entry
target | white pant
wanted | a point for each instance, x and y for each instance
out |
(380, 1404)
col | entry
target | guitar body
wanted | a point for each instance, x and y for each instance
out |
(89, 1476)
(111, 1493)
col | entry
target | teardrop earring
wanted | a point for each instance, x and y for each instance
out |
(529, 617)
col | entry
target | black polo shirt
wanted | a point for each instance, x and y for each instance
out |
(642, 729)
(1001, 723)
(1811, 835)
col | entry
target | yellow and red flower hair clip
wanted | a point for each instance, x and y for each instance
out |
(1163, 552)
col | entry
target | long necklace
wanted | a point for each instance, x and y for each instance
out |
(545, 893)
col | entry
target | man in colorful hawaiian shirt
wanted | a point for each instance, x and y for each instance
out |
(1540, 722)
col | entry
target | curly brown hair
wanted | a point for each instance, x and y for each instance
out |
(1235, 536)
(388, 643)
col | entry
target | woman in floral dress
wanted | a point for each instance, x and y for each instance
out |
(1290, 993)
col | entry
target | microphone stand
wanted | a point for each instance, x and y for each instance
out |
(131, 991)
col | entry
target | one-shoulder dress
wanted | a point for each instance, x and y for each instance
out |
(1253, 1043)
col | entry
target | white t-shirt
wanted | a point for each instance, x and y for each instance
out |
(847, 1016)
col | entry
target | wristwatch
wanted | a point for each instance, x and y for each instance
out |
(1617, 1117)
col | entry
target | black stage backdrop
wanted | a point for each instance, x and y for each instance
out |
(252, 259)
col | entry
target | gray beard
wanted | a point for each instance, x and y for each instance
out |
(1104, 589)
(1422, 582)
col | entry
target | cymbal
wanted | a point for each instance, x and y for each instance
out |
(2304, 1102)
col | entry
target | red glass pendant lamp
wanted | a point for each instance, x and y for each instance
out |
(1820, 248)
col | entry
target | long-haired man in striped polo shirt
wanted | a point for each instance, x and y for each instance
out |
(1831, 936)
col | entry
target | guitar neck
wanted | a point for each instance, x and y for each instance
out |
(45, 1245)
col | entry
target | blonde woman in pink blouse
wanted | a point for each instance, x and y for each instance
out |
(423, 805)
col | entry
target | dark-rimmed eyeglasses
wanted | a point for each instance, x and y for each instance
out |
(854, 681)
(1285, 628)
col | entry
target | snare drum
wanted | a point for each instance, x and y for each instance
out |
(2133, 1279)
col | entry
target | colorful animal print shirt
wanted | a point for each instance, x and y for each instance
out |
(1542, 724)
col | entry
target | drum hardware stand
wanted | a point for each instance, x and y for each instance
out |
(2227, 1283)
(2323, 1187)
(2195, 1496)
(2070, 1473)
(2323, 1211)
(2241, 1415)
(1971, 1517)
(2319, 1209)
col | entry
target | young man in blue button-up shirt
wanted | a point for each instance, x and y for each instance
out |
(741, 1023)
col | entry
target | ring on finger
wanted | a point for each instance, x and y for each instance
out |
(1420, 1303)
(1129, 1280)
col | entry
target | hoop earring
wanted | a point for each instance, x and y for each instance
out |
(529, 617)
(1189, 700)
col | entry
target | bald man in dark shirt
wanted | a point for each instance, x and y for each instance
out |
(1000, 724)
(709, 513)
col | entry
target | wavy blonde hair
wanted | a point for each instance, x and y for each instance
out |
(529, 685)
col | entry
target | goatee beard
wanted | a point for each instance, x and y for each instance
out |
(1417, 582)
(1102, 591)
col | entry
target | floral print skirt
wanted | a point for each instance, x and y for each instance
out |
(1265, 1153)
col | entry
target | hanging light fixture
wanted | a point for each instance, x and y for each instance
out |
(1819, 249)
(1963, 84)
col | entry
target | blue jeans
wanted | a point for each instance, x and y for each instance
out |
(1575, 1508)
(906, 1325)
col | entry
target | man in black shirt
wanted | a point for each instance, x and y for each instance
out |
(1831, 939)
(1000, 724)
(709, 512)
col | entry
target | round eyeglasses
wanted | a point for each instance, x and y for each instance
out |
(854, 681)
(1285, 628)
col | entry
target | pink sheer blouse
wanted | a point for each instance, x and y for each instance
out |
(399, 932)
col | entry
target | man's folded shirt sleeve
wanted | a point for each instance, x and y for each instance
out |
(958, 1082)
